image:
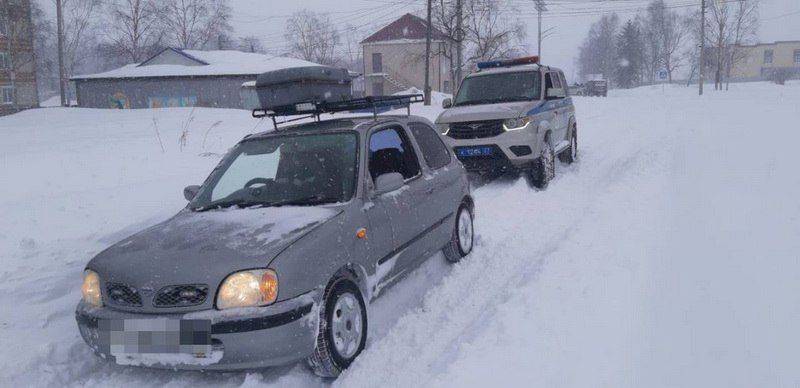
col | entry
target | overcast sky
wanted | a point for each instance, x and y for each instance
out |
(570, 19)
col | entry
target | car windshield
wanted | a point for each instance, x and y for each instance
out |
(499, 87)
(284, 170)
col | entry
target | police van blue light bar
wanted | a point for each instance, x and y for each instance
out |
(508, 62)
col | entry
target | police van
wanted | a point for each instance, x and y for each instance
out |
(512, 115)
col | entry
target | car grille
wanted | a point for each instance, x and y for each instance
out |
(181, 295)
(122, 295)
(475, 129)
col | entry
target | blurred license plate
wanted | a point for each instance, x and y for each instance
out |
(475, 151)
(150, 336)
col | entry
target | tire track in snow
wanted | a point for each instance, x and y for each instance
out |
(519, 230)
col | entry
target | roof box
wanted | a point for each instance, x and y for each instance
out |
(287, 87)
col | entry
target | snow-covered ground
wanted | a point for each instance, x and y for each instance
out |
(669, 255)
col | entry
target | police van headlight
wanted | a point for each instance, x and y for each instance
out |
(514, 124)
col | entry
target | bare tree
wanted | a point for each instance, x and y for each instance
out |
(134, 30)
(251, 44)
(44, 47)
(731, 25)
(489, 30)
(312, 37)
(489, 34)
(598, 53)
(674, 38)
(192, 24)
(744, 29)
(351, 53)
(80, 32)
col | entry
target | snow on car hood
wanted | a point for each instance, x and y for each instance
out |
(506, 110)
(204, 247)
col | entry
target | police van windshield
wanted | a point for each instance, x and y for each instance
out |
(499, 87)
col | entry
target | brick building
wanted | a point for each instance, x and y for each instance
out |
(17, 61)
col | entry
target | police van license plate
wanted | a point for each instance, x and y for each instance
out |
(475, 151)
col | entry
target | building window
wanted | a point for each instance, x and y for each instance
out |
(5, 60)
(446, 87)
(377, 63)
(7, 95)
(3, 27)
(797, 56)
(768, 56)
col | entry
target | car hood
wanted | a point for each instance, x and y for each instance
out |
(205, 247)
(501, 111)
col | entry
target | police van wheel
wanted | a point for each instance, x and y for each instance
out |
(570, 154)
(545, 169)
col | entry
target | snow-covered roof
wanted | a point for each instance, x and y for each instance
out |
(205, 63)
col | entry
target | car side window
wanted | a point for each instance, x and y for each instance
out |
(433, 149)
(391, 151)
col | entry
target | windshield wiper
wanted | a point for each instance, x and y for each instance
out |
(242, 203)
(310, 200)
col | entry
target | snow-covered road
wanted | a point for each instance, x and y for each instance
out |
(668, 256)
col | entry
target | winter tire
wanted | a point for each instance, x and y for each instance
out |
(545, 169)
(570, 154)
(463, 237)
(342, 329)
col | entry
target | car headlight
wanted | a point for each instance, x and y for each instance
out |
(518, 123)
(443, 128)
(251, 288)
(91, 288)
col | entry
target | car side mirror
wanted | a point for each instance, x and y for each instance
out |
(190, 192)
(447, 103)
(555, 93)
(389, 182)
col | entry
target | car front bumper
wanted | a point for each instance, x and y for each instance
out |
(245, 338)
(503, 157)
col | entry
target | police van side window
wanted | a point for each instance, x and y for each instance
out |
(564, 83)
(433, 149)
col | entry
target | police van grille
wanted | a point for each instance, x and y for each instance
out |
(122, 295)
(181, 295)
(475, 129)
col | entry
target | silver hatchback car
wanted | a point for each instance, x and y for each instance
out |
(278, 251)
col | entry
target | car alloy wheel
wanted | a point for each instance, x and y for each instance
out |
(347, 328)
(465, 231)
(342, 331)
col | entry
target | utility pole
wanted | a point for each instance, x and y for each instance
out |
(428, 58)
(540, 7)
(60, 38)
(459, 44)
(702, 63)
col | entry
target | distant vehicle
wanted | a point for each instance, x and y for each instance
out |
(513, 115)
(278, 252)
(577, 89)
(598, 88)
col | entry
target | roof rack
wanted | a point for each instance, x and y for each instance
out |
(313, 109)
